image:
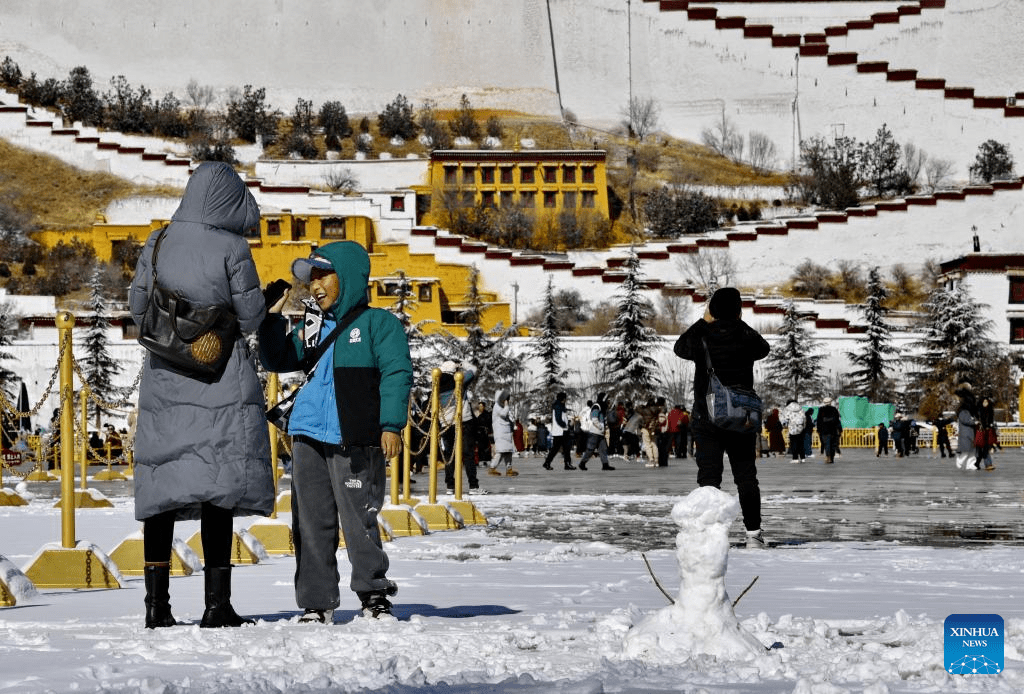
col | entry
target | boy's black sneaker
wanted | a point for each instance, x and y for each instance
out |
(311, 616)
(376, 605)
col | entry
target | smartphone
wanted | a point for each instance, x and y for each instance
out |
(274, 291)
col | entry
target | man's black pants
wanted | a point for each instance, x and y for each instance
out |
(712, 445)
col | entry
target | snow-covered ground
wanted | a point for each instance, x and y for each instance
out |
(486, 611)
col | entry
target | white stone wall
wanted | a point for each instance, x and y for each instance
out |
(501, 56)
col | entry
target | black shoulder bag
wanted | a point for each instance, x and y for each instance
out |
(279, 414)
(732, 408)
(195, 339)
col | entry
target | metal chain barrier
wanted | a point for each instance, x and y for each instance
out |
(17, 473)
(444, 426)
(6, 404)
(90, 452)
(103, 404)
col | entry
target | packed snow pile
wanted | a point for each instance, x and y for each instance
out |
(18, 584)
(702, 620)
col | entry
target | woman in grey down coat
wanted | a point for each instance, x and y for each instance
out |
(202, 450)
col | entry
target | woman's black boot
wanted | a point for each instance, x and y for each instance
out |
(219, 612)
(158, 598)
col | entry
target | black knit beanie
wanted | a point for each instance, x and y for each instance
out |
(726, 303)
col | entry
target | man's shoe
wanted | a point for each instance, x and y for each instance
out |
(583, 466)
(607, 467)
(492, 471)
(376, 606)
(568, 466)
(547, 466)
(755, 540)
(511, 472)
(311, 616)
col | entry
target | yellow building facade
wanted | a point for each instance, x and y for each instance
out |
(438, 290)
(539, 182)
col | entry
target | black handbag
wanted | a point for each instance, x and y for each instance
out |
(197, 340)
(279, 414)
(732, 408)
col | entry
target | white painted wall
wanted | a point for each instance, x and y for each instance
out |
(501, 56)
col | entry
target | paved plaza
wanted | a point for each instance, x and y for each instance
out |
(919, 499)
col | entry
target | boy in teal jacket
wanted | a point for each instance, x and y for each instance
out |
(345, 424)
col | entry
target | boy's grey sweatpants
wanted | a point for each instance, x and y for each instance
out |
(332, 483)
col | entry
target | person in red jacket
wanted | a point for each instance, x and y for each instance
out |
(678, 426)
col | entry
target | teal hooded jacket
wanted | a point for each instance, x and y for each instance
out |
(372, 367)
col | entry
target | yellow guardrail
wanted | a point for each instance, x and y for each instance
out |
(1009, 436)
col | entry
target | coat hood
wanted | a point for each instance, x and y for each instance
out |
(501, 396)
(351, 263)
(216, 196)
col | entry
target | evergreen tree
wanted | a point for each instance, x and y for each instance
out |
(98, 365)
(875, 357)
(403, 308)
(464, 123)
(396, 120)
(882, 164)
(794, 364)
(487, 352)
(993, 161)
(8, 379)
(628, 365)
(547, 348)
(956, 347)
(79, 100)
(8, 329)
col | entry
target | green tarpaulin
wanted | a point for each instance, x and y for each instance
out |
(858, 413)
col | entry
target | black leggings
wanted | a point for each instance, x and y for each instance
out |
(215, 527)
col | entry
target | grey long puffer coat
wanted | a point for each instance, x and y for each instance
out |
(199, 441)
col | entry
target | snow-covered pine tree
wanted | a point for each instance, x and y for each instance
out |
(488, 352)
(874, 358)
(8, 330)
(98, 365)
(8, 379)
(793, 368)
(403, 308)
(547, 348)
(628, 366)
(956, 347)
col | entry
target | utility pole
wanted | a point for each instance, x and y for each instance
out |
(515, 303)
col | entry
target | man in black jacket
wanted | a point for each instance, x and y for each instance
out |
(733, 347)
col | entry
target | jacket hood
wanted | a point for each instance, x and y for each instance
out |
(501, 396)
(216, 196)
(725, 328)
(351, 263)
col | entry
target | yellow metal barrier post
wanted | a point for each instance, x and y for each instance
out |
(283, 501)
(110, 473)
(77, 564)
(466, 509)
(399, 517)
(438, 516)
(84, 497)
(275, 534)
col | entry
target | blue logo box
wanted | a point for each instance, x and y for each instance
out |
(973, 644)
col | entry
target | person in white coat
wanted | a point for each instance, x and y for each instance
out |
(503, 424)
